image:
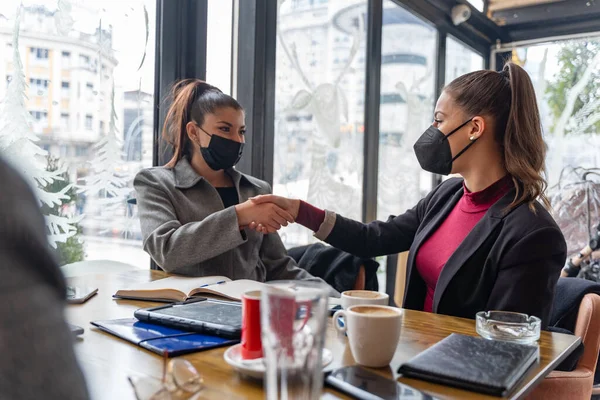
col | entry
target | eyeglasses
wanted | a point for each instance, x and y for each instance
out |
(180, 380)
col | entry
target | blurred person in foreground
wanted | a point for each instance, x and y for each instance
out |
(36, 346)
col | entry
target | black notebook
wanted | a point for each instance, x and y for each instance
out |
(476, 364)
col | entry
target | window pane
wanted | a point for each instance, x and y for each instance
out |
(566, 78)
(555, 68)
(408, 65)
(319, 106)
(83, 135)
(218, 44)
(460, 59)
(478, 4)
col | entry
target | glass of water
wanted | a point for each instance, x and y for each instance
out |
(293, 325)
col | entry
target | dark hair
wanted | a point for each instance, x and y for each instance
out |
(509, 97)
(191, 100)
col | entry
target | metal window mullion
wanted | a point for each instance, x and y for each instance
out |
(372, 104)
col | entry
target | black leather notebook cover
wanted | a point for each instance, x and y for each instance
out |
(476, 364)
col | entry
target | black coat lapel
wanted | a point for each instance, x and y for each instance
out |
(471, 243)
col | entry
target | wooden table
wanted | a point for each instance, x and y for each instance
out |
(107, 361)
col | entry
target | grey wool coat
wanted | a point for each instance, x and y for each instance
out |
(186, 229)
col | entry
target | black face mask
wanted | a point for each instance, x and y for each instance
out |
(221, 153)
(433, 150)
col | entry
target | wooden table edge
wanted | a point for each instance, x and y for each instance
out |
(537, 380)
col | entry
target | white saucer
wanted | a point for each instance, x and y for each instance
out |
(256, 368)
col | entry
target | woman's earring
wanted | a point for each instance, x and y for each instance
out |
(472, 138)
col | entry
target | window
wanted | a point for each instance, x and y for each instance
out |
(89, 121)
(38, 87)
(39, 115)
(81, 151)
(460, 59)
(478, 4)
(407, 99)
(556, 70)
(89, 90)
(219, 44)
(319, 159)
(64, 121)
(84, 61)
(40, 121)
(39, 53)
(66, 59)
(109, 228)
(65, 89)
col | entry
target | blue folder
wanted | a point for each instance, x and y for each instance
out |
(158, 338)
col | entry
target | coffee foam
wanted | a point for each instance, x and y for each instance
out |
(364, 294)
(372, 310)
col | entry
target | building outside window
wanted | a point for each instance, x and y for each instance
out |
(319, 131)
(74, 127)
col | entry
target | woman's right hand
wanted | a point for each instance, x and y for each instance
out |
(292, 206)
(269, 215)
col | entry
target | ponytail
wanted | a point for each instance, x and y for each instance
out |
(191, 100)
(524, 146)
(509, 97)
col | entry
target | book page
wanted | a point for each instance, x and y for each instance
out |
(232, 289)
(184, 284)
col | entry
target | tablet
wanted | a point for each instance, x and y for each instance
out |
(79, 295)
(214, 317)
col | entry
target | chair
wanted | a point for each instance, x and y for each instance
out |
(361, 279)
(400, 278)
(577, 384)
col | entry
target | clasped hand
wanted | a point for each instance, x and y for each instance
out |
(267, 213)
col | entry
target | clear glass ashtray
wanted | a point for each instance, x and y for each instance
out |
(508, 326)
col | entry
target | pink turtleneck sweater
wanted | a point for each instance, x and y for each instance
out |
(437, 249)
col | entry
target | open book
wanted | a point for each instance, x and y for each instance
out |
(180, 288)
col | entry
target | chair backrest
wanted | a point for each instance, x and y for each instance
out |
(588, 328)
(400, 279)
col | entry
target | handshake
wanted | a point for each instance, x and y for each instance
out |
(267, 213)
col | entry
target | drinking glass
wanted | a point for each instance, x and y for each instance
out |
(293, 325)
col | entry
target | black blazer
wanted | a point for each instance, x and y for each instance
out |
(510, 261)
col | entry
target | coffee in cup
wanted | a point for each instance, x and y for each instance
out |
(373, 332)
(374, 310)
(356, 297)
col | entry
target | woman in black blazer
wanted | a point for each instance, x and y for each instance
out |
(483, 242)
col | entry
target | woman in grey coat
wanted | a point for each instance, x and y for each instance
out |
(195, 209)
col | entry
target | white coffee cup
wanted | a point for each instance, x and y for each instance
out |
(373, 332)
(356, 297)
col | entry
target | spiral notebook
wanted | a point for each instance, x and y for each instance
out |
(158, 338)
